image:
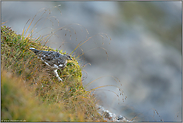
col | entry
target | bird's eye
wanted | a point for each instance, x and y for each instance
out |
(69, 57)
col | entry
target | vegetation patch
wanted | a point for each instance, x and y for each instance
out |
(31, 93)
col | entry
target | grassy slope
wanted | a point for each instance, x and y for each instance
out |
(31, 93)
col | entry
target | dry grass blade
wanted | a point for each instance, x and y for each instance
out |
(102, 77)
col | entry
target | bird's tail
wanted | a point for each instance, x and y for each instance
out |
(34, 50)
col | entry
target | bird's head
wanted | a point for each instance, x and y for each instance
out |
(68, 57)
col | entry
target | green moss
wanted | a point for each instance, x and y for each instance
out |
(16, 51)
(33, 93)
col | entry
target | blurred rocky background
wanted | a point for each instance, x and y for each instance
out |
(142, 49)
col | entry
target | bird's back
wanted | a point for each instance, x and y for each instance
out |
(46, 55)
(51, 58)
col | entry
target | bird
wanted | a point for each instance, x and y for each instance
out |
(53, 60)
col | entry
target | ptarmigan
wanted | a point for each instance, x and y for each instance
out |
(52, 59)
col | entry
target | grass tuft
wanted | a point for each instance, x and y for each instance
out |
(31, 93)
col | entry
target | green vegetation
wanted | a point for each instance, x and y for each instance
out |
(31, 93)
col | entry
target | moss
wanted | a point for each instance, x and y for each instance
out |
(16, 51)
(32, 93)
